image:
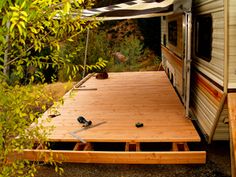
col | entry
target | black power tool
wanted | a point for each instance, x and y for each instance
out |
(82, 120)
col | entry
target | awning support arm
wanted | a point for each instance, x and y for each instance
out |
(187, 59)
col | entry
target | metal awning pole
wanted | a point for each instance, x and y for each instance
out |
(188, 16)
(86, 53)
(6, 68)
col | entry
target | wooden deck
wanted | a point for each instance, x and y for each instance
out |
(232, 126)
(114, 106)
(120, 102)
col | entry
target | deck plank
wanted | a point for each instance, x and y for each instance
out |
(122, 100)
(232, 126)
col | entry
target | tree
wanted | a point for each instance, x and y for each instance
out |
(29, 27)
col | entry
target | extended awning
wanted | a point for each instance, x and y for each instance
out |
(138, 9)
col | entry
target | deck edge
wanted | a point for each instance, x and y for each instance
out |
(111, 157)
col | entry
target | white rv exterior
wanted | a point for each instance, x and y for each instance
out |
(213, 61)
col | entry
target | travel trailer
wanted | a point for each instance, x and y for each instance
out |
(210, 48)
(212, 58)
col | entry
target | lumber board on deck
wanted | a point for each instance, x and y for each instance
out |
(121, 101)
(196, 157)
(232, 126)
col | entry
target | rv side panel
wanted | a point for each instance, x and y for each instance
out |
(173, 49)
(212, 67)
(207, 96)
(221, 132)
(205, 102)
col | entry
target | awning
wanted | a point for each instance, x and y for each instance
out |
(138, 9)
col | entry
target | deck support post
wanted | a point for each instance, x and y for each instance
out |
(83, 147)
(180, 147)
(132, 146)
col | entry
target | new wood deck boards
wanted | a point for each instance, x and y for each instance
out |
(122, 100)
(232, 126)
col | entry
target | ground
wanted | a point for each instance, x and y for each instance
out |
(218, 165)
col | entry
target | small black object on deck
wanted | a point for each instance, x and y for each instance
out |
(103, 75)
(82, 120)
(139, 124)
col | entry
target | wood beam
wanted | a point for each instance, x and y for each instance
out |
(232, 130)
(180, 157)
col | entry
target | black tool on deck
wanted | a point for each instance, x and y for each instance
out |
(139, 124)
(82, 120)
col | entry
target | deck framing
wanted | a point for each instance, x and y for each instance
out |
(196, 157)
(232, 128)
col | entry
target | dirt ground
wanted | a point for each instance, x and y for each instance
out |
(218, 165)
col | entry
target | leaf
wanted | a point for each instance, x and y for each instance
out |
(24, 18)
(13, 8)
(58, 46)
(15, 15)
(33, 30)
(12, 26)
(76, 3)
(22, 24)
(80, 1)
(14, 165)
(22, 41)
(4, 20)
(20, 172)
(71, 40)
(22, 5)
(67, 7)
(20, 29)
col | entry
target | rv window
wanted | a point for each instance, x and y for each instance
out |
(172, 32)
(203, 39)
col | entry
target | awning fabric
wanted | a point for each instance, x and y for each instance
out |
(137, 9)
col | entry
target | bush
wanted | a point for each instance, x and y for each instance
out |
(131, 48)
(98, 48)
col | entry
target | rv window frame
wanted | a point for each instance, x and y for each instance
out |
(201, 45)
(173, 32)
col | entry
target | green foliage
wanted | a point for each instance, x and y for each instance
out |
(31, 27)
(16, 115)
(97, 55)
(99, 47)
(131, 48)
(32, 35)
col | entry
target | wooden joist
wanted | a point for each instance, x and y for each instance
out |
(83, 147)
(232, 126)
(181, 157)
(132, 146)
(180, 147)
